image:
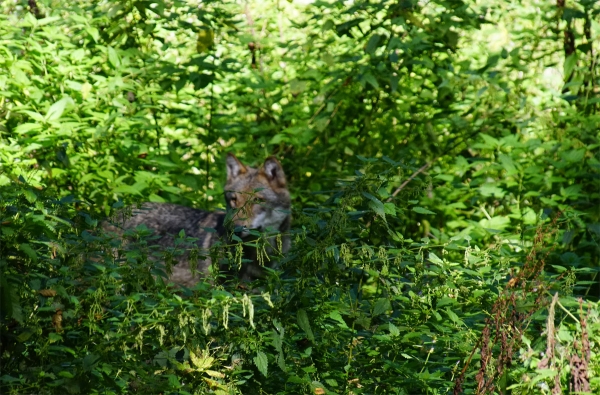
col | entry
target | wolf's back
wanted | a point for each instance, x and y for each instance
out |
(167, 220)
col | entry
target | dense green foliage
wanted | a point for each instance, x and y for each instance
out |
(443, 158)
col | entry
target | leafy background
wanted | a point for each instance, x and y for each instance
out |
(443, 161)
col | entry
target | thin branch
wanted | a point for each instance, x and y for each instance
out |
(412, 177)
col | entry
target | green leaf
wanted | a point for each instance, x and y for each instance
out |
(113, 58)
(422, 210)
(89, 361)
(93, 32)
(127, 190)
(375, 204)
(304, 324)
(491, 190)
(48, 20)
(56, 110)
(27, 127)
(389, 208)
(569, 65)
(26, 248)
(394, 83)
(30, 195)
(261, 362)
(573, 156)
(336, 316)
(378, 208)
(66, 374)
(368, 77)
(435, 259)
(173, 381)
(34, 115)
(508, 164)
(373, 43)
(381, 306)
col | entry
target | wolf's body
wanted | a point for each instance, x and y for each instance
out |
(255, 198)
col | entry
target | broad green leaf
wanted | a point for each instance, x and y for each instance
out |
(30, 252)
(373, 43)
(126, 189)
(48, 20)
(113, 57)
(508, 164)
(304, 324)
(492, 190)
(368, 77)
(435, 259)
(261, 362)
(381, 306)
(422, 210)
(27, 127)
(569, 65)
(30, 195)
(56, 110)
(389, 208)
(378, 208)
(336, 316)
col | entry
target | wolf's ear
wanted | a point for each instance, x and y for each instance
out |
(234, 167)
(274, 172)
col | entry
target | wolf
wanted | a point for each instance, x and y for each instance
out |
(256, 199)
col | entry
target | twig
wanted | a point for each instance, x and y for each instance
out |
(412, 177)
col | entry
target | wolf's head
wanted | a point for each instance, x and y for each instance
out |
(258, 198)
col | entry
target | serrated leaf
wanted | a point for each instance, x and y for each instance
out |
(336, 316)
(378, 208)
(381, 306)
(26, 248)
(452, 315)
(281, 361)
(216, 374)
(89, 361)
(508, 164)
(201, 362)
(304, 324)
(394, 331)
(375, 204)
(422, 210)
(389, 208)
(30, 195)
(261, 362)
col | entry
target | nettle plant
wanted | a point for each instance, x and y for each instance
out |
(361, 308)
(356, 307)
(86, 313)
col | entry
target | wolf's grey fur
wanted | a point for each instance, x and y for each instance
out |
(255, 199)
